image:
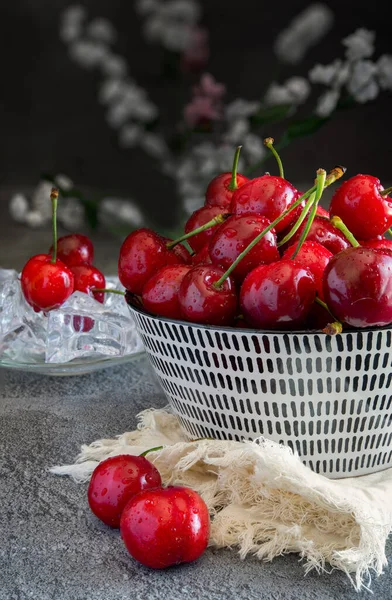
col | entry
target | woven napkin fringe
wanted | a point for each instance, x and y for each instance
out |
(262, 499)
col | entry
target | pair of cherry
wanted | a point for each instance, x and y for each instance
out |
(244, 240)
(47, 280)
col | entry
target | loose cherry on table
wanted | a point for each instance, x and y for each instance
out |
(363, 205)
(74, 249)
(166, 526)
(87, 278)
(234, 235)
(221, 188)
(46, 281)
(115, 481)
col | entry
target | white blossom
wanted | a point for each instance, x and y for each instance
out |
(176, 36)
(40, 199)
(111, 89)
(240, 109)
(63, 182)
(384, 72)
(35, 219)
(153, 144)
(88, 54)
(120, 210)
(253, 148)
(74, 14)
(327, 103)
(70, 213)
(171, 23)
(102, 30)
(294, 91)
(18, 207)
(359, 45)
(362, 84)
(114, 66)
(130, 135)
(306, 30)
(69, 32)
(237, 131)
(299, 89)
(144, 7)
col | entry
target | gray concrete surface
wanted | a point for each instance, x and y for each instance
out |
(53, 548)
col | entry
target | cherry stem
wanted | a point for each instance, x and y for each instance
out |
(269, 142)
(338, 223)
(108, 290)
(299, 222)
(151, 450)
(386, 191)
(233, 182)
(332, 176)
(54, 194)
(321, 176)
(215, 221)
(334, 327)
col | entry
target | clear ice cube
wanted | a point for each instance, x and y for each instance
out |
(84, 328)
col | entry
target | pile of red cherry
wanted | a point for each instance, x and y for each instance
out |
(160, 525)
(261, 254)
(47, 280)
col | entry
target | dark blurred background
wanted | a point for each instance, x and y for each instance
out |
(51, 121)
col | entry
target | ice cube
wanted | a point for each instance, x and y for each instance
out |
(22, 330)
(84, 328)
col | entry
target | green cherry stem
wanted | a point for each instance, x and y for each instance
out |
(151, 450)
(299, 221)
(338, 223)
(54, 194)
(332, 176)
(215, 221)
(386, 191)
(269, 142)
(321, 177)
(233, 183)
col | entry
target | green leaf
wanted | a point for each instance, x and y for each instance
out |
(302, 128)
(272, 114)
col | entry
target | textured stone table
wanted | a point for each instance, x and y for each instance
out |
(53, 548)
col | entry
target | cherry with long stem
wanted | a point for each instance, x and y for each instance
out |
(54, 194)
(332, 176)
(299, 221)
(269, 143)
(338, 223)
(233, 182)
(217, 220)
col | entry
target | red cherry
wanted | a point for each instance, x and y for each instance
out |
(142, 253)
(115, 481)
(165, 526)
(202, 302)
(267, 196)
(74, 249)
(315, 257)
(200, 217)
(358, 286)
(160, 292)
(46, 285)
(378, 242)
(202, 256)
(181, 252)
(218, 191)
(87, 277)
(278, 295)
(322, 212)
(323, 232)
(234, 235)
(362, 208)
(317, 318)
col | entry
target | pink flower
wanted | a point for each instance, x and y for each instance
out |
(209, 87)
(197, 52)
(201, 110)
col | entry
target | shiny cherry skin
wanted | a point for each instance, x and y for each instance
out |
(358, 286)
(218, 191)
(87, 277)
(46, 285)
(234, 235)
(322, 212)
(74, 249)
(315, 257)
(267, 196)
(362, 208)
(142, 253)
(115, 481)
(200, 217)
(378, 242)
(181, 252)
(323, 232)
(202, 256)
(278, 295)
(166, 526)
(160, 292)
(202, 302)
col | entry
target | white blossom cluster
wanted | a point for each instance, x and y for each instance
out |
(129, 108)
(169, 23)
(356, 74)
